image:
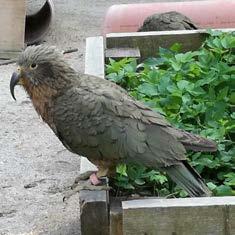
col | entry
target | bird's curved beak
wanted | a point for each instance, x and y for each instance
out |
(15, 78)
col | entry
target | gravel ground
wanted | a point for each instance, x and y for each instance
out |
(35, 169)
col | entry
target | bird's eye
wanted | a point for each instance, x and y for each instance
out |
(33, 66)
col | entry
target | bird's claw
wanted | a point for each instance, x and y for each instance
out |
(95, 180)
(82, 177)
(86, 185)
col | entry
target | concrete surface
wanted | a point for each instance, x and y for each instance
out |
(35, 169)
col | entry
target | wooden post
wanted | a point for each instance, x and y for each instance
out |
(12, 29)
(115, 214)
(94, 212)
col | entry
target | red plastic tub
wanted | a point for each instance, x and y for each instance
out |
(205, 14)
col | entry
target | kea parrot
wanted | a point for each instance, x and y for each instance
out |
(167, 21)
(96, 118)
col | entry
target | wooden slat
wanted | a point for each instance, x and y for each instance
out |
(12, 20)
(118, 53)
(230, 220)
(94, 59)
(149, 42)
(194, 216)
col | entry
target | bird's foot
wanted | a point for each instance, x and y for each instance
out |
(89, 175)
(95, 180)
(82, 177)
(93, 184)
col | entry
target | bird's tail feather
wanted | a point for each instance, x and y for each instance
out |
(187, 178)
(194, 142)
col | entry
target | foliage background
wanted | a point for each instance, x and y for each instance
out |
(196, 92)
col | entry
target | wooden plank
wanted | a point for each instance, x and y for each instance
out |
(115, 216)
(94, 212)
(94, 205)
(194, 216)
(230, 220)
(94, 59)
(12, 18)
(118, 53)
(149, 42)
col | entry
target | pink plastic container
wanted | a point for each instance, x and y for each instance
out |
(205, 14)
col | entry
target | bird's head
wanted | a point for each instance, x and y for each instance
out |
(40, 68)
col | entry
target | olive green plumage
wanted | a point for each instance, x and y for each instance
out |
(167, 21)
(96, 118)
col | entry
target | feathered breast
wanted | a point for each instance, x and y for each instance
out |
(42, 99)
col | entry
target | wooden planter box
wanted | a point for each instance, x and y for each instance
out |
(102, 215)
(12, 19)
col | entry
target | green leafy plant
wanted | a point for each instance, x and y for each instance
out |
(196, 92)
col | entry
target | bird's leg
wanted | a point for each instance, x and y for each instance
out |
(84, 185)
(82, 177)
(95, 178)
(94, 182)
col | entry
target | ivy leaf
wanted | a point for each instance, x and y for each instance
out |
(176, 65)
(154, 61)
(211, 186)
(183, 84)
(158, 178)
(148, 89)
(196, 91)
(230, 179)
(224, 190)
(176, 47)
(121, 169)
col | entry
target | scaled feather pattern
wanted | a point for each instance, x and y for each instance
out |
(167, 21)
(96, 118)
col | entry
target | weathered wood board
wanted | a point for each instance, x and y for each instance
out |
(115, 217)
(12, 29)
(94, 59)
(118, 53)
(149, 42)
(183, 216)
(94, 212)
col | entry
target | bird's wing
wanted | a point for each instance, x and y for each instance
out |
(98, 119)
(183, 21)
(167, 21)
